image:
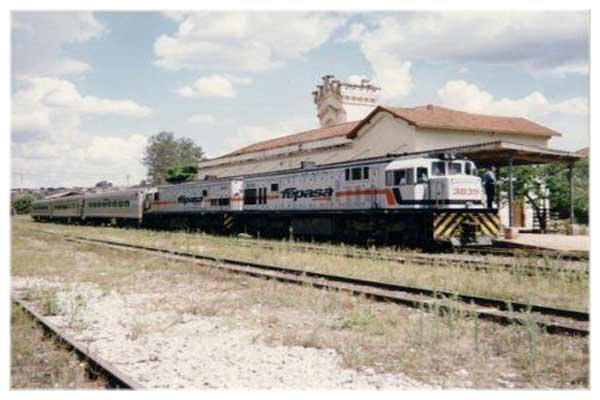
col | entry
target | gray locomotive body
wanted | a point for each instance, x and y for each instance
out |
(406, 199)
(402, 199)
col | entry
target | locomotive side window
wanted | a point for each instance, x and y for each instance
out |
(274, 187)
(455, 168)
(468, 168)
(389, 178)
(356, 174)
(250, 196)
(156, 196)
(422, 175)
(400, 177)
(410, 176)
(438, 168)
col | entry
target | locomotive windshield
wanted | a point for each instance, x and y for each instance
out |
(438, 168)
(455, 168)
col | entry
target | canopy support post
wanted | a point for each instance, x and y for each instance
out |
(510, 192)
(571, 196)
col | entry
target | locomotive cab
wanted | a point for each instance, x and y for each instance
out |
(454, 184)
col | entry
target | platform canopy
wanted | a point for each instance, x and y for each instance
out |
(501, 154)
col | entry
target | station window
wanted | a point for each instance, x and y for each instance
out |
(356, 174)
(214, 202)
(422, 175)
(223, 201)
(274, 187)
(156, 196)
(365, 172)
(438, 168)
(347, 174)
(205, 192)
(455, 168)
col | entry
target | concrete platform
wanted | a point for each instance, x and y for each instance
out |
(551, 242)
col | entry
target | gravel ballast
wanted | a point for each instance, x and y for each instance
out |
(168, 349)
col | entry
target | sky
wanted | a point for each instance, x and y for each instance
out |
(90, 88)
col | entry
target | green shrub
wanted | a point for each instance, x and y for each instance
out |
(22, 204)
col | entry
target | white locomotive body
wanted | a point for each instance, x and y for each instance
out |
(383, 196)
(404, 199)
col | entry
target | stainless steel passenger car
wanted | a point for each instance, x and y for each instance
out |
(114, 206)
(40, 210)
(67, 208)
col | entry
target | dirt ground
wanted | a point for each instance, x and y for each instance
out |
(159, 314)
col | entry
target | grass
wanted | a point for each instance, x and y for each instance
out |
(39, 362)
(569, 290)
(451, 349)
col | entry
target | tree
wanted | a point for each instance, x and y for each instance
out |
(164, 152)
(558, 185)
(22, 204)
(538, 183)
(103, 184)
(182, 173)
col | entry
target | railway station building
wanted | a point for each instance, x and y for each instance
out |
(354, 126)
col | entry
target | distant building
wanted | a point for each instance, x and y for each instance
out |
(380, 131)
(585, 152)
(354, 126)
(338, 102)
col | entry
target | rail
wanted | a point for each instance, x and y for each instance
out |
(498, 310)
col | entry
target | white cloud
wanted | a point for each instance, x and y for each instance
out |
(213, 86)
(582, 68)
(202, 119)
(539, 41)
(242, 41)
(49, 143)
(466, 96)
(39, 38)
(68, 66)
(83, 162)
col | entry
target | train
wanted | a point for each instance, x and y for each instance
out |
(410, 199)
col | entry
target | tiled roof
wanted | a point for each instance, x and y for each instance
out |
(430, 116)
(308, 136)
(585, 152)
(435, 117)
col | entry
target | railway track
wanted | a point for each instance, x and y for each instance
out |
(550, 319)
(464, 258)
(98, 366)
(531, 253)
(454, 260)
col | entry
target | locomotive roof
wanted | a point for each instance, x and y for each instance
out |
(320, 167)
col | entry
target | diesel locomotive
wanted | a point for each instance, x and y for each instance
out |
(397, 199)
